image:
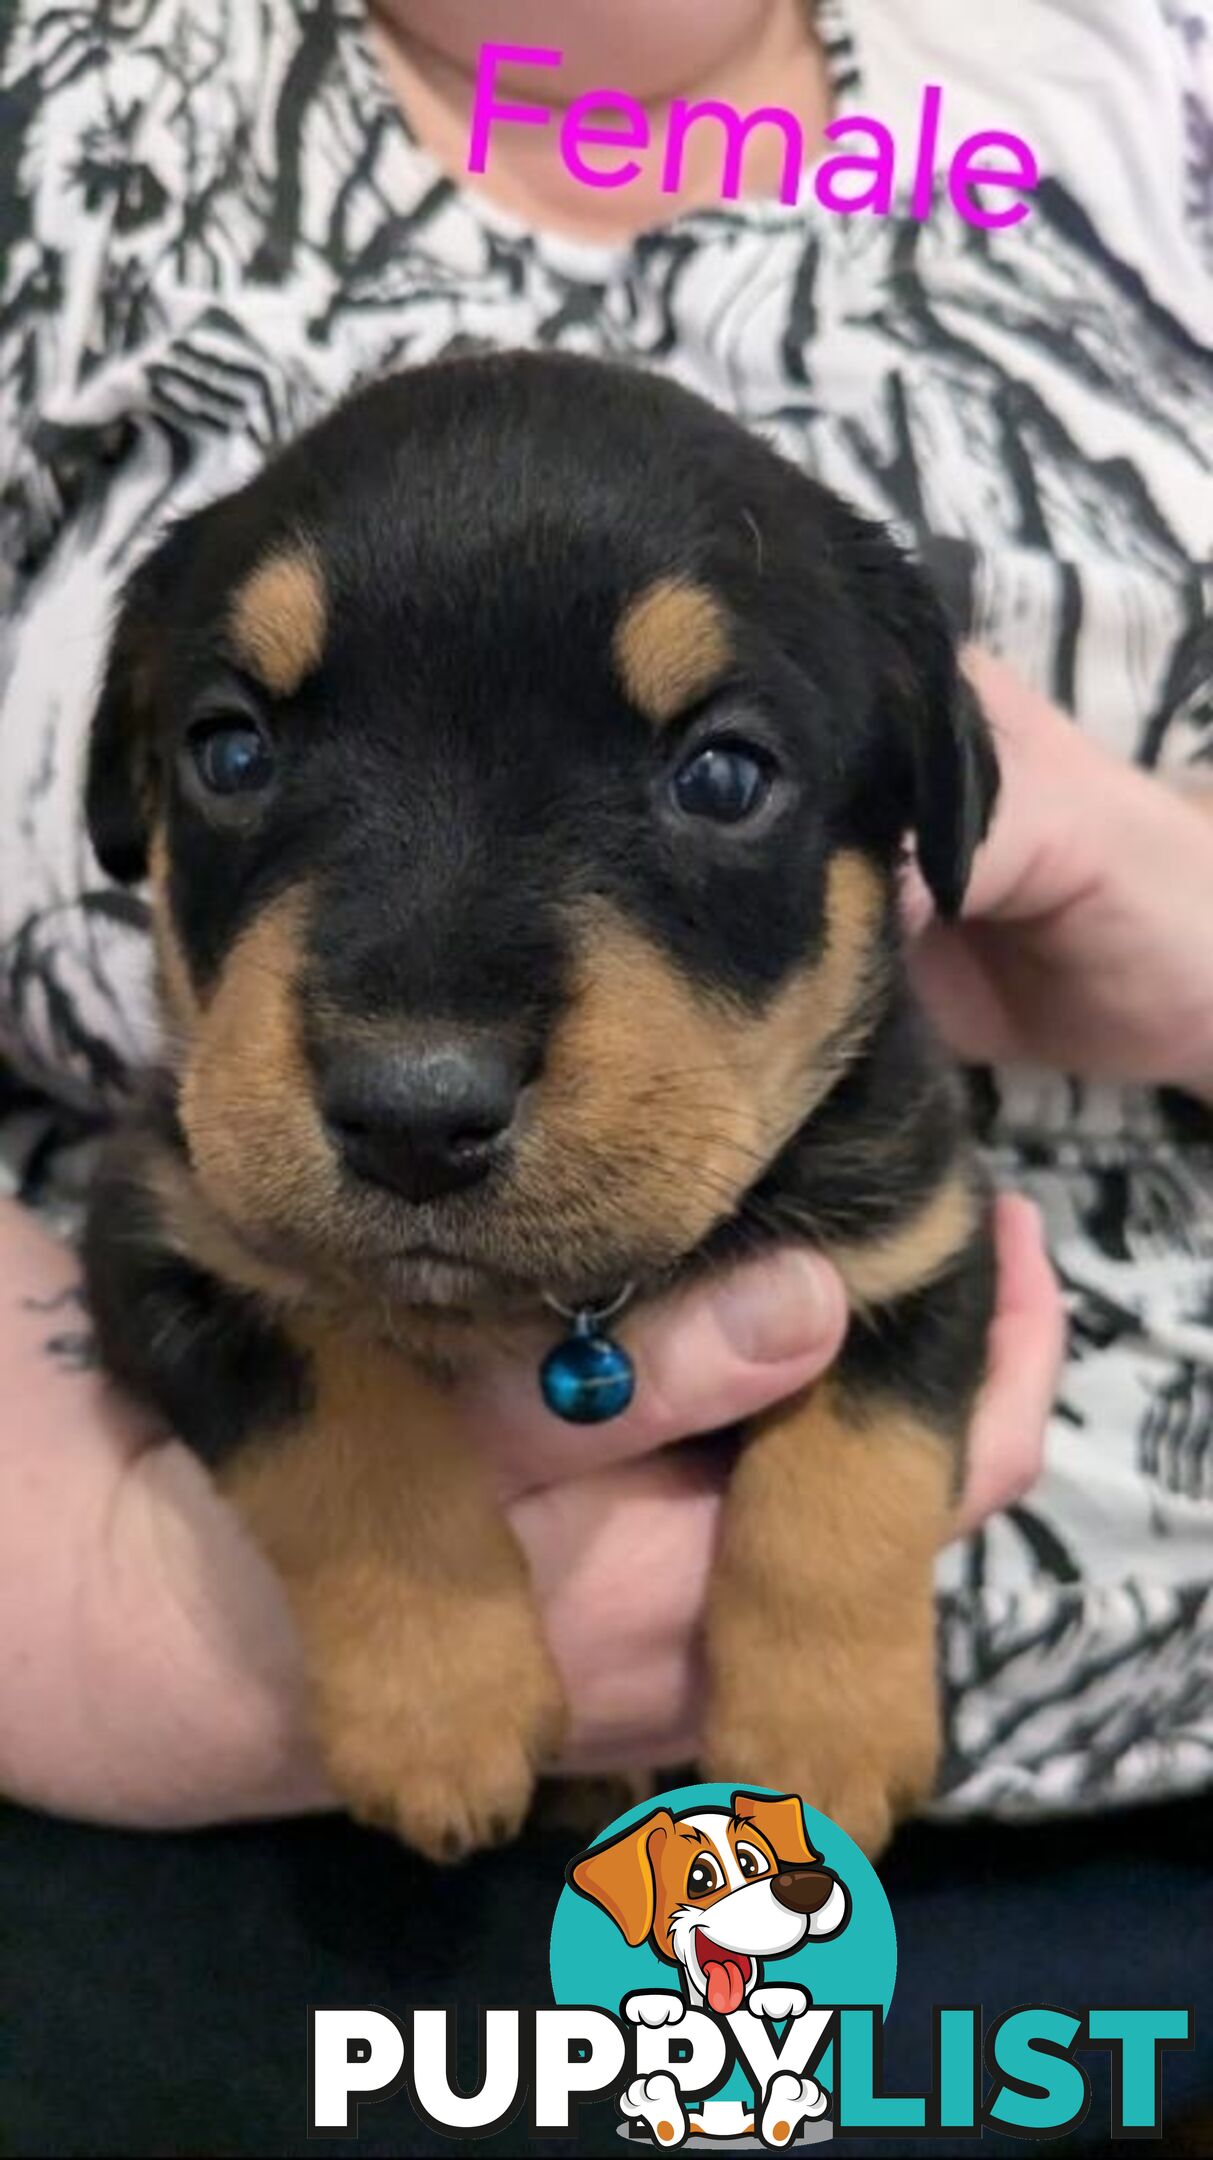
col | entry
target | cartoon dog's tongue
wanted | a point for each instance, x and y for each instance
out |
(725, 1972)
(726, 1985)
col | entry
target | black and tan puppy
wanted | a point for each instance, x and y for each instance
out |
(523, 763)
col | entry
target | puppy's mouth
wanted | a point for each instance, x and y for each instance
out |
(426, 1277)
(423, 1275)
(727, 1974)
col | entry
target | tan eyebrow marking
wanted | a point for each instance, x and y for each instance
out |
(671, 645)
(279, 617)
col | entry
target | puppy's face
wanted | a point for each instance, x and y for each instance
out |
(521, 761)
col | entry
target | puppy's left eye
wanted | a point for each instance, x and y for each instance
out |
(751, 1862)
(231, 755)
(724, 782)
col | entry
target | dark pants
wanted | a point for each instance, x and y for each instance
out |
(153, 1989)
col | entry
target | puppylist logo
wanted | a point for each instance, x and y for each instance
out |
(729, 1937)
(722, 1963)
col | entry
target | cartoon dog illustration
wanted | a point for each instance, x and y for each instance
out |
(715, 1891)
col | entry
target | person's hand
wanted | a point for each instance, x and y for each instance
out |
(622, 1555)
(1084, 943)
(149, 1672)
(148, 1669)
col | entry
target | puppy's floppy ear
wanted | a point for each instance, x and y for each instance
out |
(943, 748)
(621, 1876)
(780, 1822)
(122, 778)
(955, 778)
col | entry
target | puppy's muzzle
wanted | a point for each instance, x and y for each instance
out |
(802, 1889)
(422, 1123)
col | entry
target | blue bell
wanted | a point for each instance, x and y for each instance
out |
(587, 1378)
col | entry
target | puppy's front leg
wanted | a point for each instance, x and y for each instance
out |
(821, 1623)
(434, 1696)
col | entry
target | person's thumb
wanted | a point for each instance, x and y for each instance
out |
(705, 1357)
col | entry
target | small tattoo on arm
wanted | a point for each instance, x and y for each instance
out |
(73, 1349)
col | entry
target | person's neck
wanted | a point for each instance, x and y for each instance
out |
(747, 54)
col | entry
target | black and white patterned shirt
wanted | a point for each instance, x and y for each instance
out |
(214, 220)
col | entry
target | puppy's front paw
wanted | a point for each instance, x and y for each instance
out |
(443, 1751)
(820, 1629)
(444, 1802)
(865, 1755)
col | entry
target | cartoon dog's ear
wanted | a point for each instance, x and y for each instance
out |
(780, 1822)
(123, 774)
(942, 748)
(621, 1876)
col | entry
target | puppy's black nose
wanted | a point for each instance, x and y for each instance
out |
(422, 1122)
(802, 1889)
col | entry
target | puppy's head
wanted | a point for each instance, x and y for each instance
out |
(716, 1891)
(521, 761)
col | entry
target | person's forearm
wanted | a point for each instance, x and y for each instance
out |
(1199, 793)
(146, 1665)
(1180, 865)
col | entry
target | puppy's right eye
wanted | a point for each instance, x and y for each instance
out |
(705, 1876)
(231, 756)
(723, 782)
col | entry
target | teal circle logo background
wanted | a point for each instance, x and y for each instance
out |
(592, 1963)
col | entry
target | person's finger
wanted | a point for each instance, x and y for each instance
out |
(705, 1357)
(191, 1649)
(959, 980)
(621, 1562)
(1027, 1344)
(1037, 854)
(916, 905)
